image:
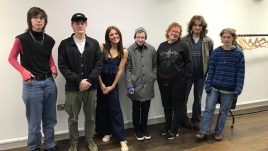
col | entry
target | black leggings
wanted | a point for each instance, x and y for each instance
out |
(173, 100)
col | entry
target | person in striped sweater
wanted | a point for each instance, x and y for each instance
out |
(225, 79)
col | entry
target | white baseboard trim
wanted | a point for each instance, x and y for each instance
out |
(61, 135)
(22, 141)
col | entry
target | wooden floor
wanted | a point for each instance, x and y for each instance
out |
(250, 133)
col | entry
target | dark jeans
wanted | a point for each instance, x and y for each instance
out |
(198, 91)
(140, 111)
(173, 100)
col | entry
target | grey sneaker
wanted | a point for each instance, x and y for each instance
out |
(92, 146)
(201, 136)
(73, 148)
(218, 136)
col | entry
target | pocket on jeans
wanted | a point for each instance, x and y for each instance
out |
(29, 90)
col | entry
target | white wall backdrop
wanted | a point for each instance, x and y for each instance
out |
(247, 16)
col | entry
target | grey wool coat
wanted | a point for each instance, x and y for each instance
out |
(141, 70)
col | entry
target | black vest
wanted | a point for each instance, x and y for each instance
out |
(34, 57)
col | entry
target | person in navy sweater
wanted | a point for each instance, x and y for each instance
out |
(225, 79)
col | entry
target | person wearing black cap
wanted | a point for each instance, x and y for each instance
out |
(80, 62)
(38, 71)
(141, 68)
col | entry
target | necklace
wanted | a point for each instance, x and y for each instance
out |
(40, 43)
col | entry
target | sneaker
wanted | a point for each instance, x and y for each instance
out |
(201, 136)
(73, 148)
(164, 132)
(139, 135)
(37, 149)
(124, 146)
(218, 136)
(146, 134)
(106, 138)
(92, 146)
(171, 135)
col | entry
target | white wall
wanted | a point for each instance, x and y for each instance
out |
(248, 17)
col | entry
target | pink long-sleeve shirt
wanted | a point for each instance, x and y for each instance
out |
(15, 51)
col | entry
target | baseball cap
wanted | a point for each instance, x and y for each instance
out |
(79, 17)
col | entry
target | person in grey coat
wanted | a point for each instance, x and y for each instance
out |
(141, 73)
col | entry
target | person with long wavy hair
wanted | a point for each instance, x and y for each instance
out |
(200, 46)
(109, 117)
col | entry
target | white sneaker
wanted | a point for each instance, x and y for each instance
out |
(124, 146)
(106, 138)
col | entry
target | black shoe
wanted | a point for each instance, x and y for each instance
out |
(164, 131)
(146, 134)
(172, 135)
(55, 148)
(139, 135)
(37, 149)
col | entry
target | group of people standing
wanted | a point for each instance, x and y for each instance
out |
(92, 72)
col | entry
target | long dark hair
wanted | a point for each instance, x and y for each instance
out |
(33, 12)
(203, 23)
(108, 45)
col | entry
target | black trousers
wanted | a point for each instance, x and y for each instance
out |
(173, 100)
(140, 111)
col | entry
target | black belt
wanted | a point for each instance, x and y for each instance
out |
(42, 76)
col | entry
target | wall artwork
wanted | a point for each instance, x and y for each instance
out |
(252, 41)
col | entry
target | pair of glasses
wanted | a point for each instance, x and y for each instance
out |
(175, 31)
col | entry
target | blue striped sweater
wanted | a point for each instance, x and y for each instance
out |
(226, 70)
